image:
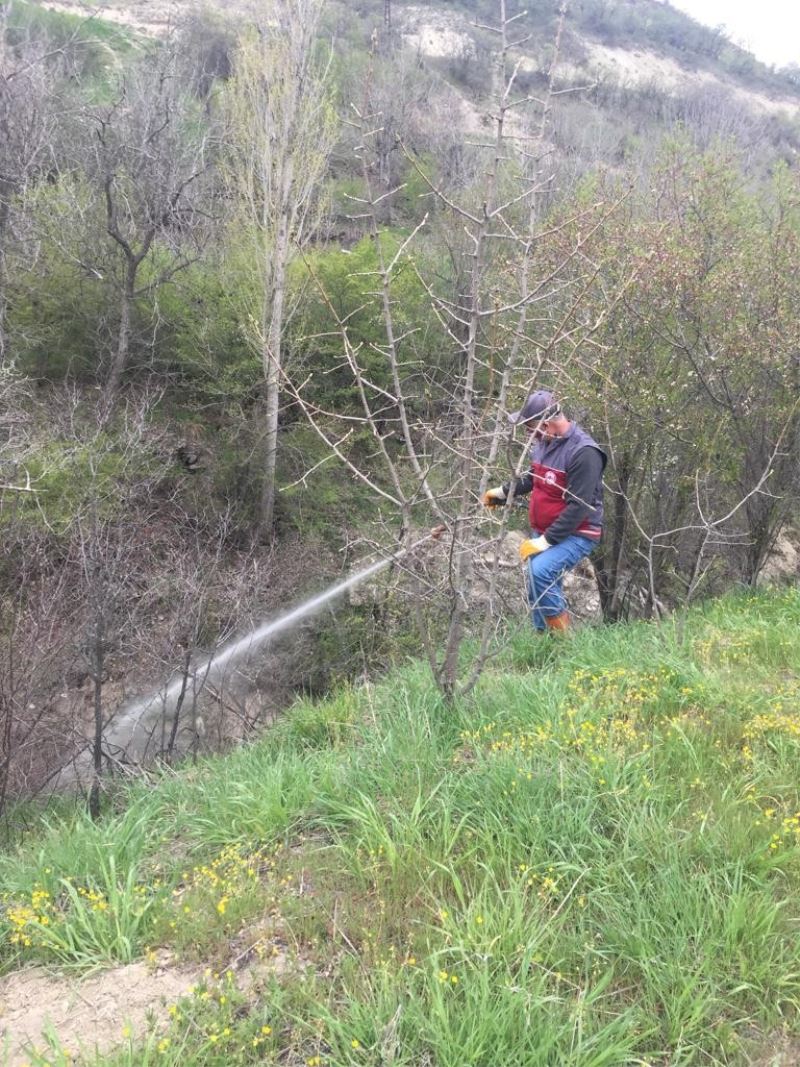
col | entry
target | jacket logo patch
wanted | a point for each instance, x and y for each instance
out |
(550, 478)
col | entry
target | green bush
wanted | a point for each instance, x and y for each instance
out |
(341, 285)
(72, 476)
(201, 341)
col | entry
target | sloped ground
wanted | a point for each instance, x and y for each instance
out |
(638, 68)
(443, 34)
(154, 17)
(593, 860)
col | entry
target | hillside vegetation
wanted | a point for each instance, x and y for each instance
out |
(270, 284)
(267, 292)
(595, 860)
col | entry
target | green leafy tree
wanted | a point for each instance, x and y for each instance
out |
(280, 130)
(695, 381)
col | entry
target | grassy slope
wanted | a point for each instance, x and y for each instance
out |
(594, 861)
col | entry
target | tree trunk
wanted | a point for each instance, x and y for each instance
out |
(604, 586)
(120, 361)
(173, 733)
(272, 356)
(4, 211)
(98, 656)
(760, 531)
(611, 611)
(7, 731)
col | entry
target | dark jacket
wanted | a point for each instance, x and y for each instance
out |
(565, 485)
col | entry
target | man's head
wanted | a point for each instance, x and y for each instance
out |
(541, 415)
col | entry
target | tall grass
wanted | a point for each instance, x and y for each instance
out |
(593, 861)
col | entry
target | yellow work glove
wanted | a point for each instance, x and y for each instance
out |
(532, 546)
(494, 498)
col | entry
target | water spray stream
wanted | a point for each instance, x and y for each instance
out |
(132, 727)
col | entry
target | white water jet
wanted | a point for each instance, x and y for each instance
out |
(130, 731)
(214, 667)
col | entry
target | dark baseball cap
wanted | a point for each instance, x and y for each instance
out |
(539, 405)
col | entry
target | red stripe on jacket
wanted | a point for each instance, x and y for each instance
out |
(548, 500)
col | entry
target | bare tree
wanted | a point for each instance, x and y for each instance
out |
(27, 120)
(149, 151)
(520, 312)
(280, 134)
(111, 558)
(36, 653)
(695, 381)
(196, 585)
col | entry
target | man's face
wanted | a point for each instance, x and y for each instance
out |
(540, 429)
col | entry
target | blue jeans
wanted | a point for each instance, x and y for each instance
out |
(545, 572)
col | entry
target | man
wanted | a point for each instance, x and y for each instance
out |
(566, 504)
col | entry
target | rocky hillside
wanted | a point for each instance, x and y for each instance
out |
(586, 59)
(631, 68)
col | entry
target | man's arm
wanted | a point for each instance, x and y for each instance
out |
(523, 485)
(583, 475)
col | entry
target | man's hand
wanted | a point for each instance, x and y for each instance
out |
(494, 498)
(532, 546)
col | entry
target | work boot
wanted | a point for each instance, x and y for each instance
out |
(558, 622)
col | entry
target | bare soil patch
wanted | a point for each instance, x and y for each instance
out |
(783, 1051)
(85, 1012)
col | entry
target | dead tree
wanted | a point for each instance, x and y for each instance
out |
(111, 558)
(37, 728)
